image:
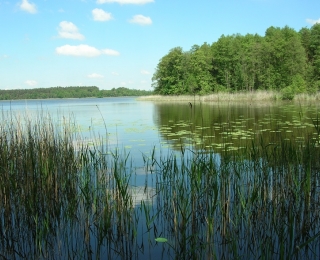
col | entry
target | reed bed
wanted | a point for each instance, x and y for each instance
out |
(162, 98)
(252, 96)
(59, 200)
(248, 96)
(219, 97)
(307, 97)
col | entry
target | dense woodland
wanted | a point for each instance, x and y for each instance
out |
(68, 92)
(284, 60)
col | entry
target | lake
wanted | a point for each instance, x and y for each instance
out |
(173, 181)
(138, 126)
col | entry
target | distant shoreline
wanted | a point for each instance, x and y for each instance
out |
(34, 99)
(69, 92)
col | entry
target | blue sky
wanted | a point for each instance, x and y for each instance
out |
(118, 43)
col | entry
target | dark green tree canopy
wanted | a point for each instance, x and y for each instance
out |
(275, 61)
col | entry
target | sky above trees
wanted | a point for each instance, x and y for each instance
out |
(118, 43)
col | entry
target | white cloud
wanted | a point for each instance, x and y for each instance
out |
(78, 50)
(136, 2)
(311, 21)
(69, 31)
(110, 52)
(140, 19)
(144, 72)
(84, 50)
(100, 15)
(28, 7)
(31, 83)
(115, 73)
(95, 76)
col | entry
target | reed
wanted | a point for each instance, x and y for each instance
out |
(307, 97)
(63, 198)
(254, 96)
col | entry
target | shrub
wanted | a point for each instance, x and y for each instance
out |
(297, 86)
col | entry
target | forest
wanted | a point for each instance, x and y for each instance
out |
(69, 92)
(282, 60)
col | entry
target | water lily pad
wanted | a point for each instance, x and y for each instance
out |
(161, 239)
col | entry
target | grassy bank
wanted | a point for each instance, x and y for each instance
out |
(63, 199)
(256, 96)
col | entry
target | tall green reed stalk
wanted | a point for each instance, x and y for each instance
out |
(63, 198)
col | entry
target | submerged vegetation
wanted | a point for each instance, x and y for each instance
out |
(62, 197)
(283, 60)
(69, 92)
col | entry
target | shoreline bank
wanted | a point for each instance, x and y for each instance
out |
(256, 96)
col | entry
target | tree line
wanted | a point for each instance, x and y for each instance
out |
(284, 60)
(69, 92)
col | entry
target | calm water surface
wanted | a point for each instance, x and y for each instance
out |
(128, 123)
(138, 127)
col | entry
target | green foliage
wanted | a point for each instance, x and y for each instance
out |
(219, 88)
(314, 87)
(120, 92)
(287, 93)
(297, 86)
(314, 49)
(69, 92)
(169, 76)
(286, 56)
(201, 66)
(284, 60)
